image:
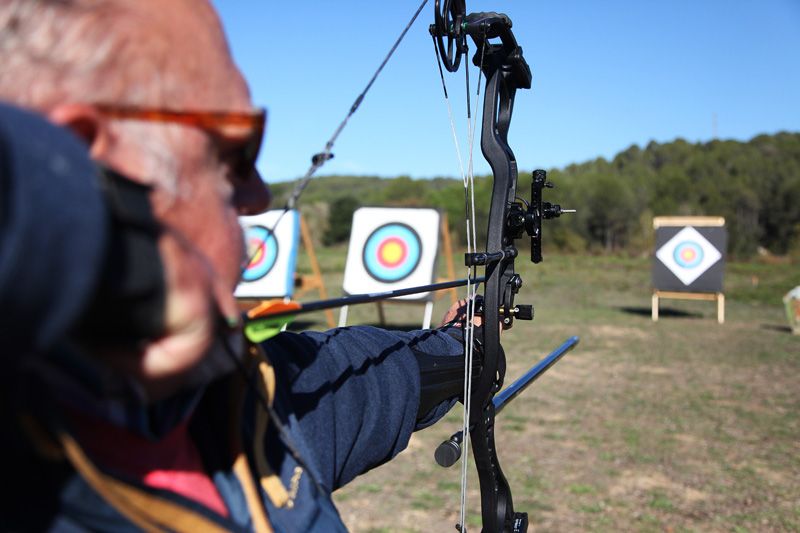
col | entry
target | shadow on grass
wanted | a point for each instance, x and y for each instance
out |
(776, 327)
(662, 312)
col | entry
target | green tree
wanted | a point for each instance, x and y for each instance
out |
(340, 220)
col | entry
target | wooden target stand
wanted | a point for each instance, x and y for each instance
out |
(447, 249)
(680, 295)
(303, 283)
(705, 296)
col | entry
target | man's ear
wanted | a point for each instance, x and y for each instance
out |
(85, 122)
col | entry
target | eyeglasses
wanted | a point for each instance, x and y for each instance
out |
(242, 129)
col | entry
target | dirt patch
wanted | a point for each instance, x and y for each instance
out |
(617, 332)
(655, 370)
(631, 482)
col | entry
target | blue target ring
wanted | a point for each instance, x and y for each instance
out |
(392, 252)
(688, 254)
(262, 249)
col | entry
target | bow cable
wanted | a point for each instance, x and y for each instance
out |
(468, 179)
(469, 348)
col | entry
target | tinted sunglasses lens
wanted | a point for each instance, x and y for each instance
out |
(246, 164)
(252, 147)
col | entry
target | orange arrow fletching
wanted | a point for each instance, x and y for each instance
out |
(272, 307)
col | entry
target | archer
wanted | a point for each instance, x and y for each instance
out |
(131, 399)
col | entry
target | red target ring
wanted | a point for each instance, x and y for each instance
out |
(392, 252)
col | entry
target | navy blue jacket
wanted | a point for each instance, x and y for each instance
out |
(53, 230)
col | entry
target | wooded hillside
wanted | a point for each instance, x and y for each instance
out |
(755, 185)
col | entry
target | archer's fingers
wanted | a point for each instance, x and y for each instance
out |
(456, 315)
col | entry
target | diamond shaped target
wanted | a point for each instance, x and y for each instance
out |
(688, 255)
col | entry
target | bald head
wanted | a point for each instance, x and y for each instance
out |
(144, 52)
(59, 54)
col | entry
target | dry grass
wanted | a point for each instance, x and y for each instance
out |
(680, 425)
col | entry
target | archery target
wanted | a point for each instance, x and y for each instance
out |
(271, 254)
(262, 252)
(392, 248)
(392, 252)
(688, 255)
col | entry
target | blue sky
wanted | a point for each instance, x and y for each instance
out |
(607, 74)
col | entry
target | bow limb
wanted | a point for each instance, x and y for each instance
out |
(496, 501)
(502, 283)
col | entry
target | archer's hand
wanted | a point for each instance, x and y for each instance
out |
(457, 315)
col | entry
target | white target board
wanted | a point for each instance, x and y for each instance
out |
(271, 254)
(690, 254)
(392, 248)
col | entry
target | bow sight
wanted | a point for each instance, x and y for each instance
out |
(528, 217)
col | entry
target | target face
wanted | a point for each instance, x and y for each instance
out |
(272, 240)
(392, 248)
(688, 255)
(392, 252)
(262, 250)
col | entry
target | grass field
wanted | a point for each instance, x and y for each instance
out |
(679, 425)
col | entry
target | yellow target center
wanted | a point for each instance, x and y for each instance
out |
(392, 252)
(256, 252)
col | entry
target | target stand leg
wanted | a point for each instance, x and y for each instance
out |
(286, 300)
(343, 316)
(426, 320)
(381, 313)
(654, 311)
(720, 308)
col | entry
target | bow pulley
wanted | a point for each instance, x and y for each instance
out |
(449, 25)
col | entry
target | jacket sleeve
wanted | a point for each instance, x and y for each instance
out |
(354, 392)
(53, 231)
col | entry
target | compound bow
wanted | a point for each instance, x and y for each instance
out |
(501, 62)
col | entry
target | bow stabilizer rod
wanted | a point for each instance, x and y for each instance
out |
(449, 451)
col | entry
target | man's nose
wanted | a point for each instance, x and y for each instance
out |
(251, 196)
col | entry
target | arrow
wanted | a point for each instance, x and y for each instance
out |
(266, 320)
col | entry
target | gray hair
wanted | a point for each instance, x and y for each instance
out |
(54, 51)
